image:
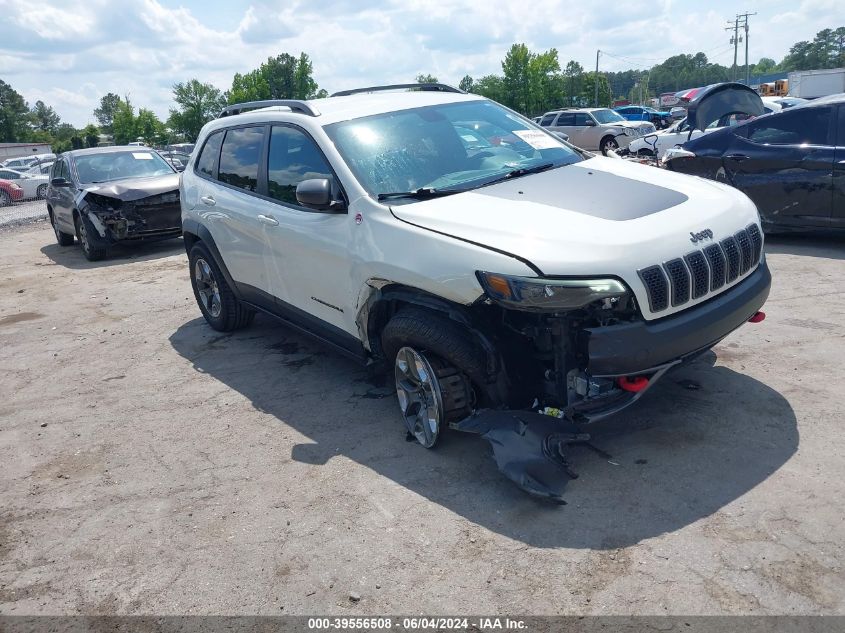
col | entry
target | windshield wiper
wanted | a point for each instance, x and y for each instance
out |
(420, 194)
(521, 171)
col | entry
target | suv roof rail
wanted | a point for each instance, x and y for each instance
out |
(425, 87)
(296, 105)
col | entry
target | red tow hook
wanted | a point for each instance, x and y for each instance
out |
(758, 316)
(632, 383)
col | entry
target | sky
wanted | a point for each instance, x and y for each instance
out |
(70, 53)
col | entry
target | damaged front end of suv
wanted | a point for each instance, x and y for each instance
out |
(137, 211)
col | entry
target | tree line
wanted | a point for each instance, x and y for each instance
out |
(530, 82)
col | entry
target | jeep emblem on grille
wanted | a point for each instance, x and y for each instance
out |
(701, 235)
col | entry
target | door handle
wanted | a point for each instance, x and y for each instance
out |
(209, 200)
(269, 220)
(737, 157)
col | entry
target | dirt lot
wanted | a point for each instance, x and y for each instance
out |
(150, 465)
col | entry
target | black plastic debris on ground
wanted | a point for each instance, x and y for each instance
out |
(529, 448)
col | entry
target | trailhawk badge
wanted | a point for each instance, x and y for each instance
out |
(701, 235)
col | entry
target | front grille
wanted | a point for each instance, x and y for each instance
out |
(702, 272)
(679, 276)
(656, 287)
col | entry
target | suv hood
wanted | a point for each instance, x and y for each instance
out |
(597, 217)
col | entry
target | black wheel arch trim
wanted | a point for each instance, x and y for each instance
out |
(394, 292)
(193, 232)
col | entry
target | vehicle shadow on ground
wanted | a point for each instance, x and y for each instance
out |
(698, 441)
(72, 257)
(806, 245)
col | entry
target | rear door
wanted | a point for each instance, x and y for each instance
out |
(784, 163)
(566, 123)
(838, 207)
(230, 177)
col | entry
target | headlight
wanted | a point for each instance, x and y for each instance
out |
(549, 295)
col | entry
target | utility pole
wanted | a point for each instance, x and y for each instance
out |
(744, 17)
(735, 42)
(596, 81)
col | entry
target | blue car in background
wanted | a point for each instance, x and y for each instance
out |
(642, 113)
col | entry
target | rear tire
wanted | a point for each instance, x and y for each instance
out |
(5, 199)
(41, 192)
(218, 304)
(64, 239)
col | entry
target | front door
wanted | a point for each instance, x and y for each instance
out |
(309, 249)
(784, 163)
(838, 207)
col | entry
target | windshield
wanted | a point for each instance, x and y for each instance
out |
(607, 116)
(455, 146)
(119, 165)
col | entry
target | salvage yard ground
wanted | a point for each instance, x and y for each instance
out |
(150, 465)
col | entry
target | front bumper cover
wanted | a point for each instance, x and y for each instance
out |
(631, 348)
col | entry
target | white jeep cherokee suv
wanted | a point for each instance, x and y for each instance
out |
(480, 259)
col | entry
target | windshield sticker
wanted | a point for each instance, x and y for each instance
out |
(142, 155)
(537, 139)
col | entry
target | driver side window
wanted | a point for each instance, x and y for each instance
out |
(293, 157)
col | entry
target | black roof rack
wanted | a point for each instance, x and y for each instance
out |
(424, 87)
(303, 107)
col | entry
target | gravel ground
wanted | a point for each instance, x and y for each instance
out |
(149, 465)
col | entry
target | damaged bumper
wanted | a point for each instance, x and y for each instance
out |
(139, 211)
(639, 347)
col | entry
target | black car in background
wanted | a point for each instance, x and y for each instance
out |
(105, 195)
(790, 163)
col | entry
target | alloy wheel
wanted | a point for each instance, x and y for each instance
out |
(420, 400)
(207, 288)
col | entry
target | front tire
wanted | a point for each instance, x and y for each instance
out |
(218, 304)
(608, 143)
(93, 246)
(41, 192)
(5, 199)
(436, 368)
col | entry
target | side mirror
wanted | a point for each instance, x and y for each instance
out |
(561, 136)
(60, 182)
(590, 123)
(316, 193)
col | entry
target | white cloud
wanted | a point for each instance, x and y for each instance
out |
(71, 53)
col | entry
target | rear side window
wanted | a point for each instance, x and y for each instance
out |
(209, 154)
(567, 119)
(799, 127)
(547, 120)
(240, 156)
(293, 157)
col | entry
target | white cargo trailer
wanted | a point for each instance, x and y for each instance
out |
(810, 84)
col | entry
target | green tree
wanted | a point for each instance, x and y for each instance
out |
(764, 66)
(105, 113)
(426, 79)
(14, 115)
(573, 76)
(490, 86)
(91, 135)
(545, 82)
(45, 118)
(280, 77)
(589, 86)
(466, 84)
(124, 126)
(149, 127)
(516, 78)
(198, 103)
